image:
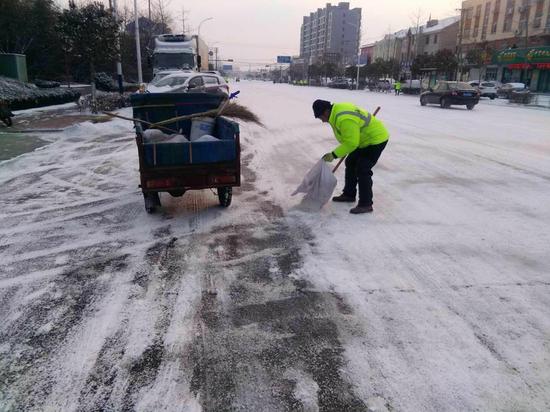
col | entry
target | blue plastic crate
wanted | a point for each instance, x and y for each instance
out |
(166, 154)
(212, 152)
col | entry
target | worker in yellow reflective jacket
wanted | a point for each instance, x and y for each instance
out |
(362, 139)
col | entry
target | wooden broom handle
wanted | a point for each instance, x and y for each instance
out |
(343, 158)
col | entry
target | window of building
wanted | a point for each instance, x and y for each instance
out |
(509, 15)
(496, 13)
(477, 20)
(485, 20)
(491, 73)
(524, 13)
(467, 22)
(428, 39)
(435, 38)
(539, 9)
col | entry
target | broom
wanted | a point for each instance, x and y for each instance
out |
(232, 110)
(227, 109)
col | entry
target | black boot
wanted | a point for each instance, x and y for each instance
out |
(357, 210)
(343, 198)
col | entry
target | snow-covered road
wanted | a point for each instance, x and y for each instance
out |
(438, 301)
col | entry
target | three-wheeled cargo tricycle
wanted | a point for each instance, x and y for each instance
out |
(176, 167)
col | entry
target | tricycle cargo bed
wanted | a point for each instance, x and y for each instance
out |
(174, 154)
(170, 163)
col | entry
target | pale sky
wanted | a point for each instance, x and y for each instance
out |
(256, 31)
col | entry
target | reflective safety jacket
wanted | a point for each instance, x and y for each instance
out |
(398, 86)
(355, 128)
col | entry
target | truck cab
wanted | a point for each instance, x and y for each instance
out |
(179, 52)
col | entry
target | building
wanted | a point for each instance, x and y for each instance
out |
(298, 68)
(514, 34)
(389, 48)
(439, 35)
(331, 34)
(404, 45)
(367, 54)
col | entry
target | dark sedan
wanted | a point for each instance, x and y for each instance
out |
(447, 94)
(339, 84)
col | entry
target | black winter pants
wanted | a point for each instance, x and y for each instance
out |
(359, 164)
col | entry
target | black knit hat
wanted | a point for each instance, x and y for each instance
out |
(319, 107)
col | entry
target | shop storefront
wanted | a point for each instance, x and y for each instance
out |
(530, 66)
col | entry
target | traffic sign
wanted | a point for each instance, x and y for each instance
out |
(284, 59)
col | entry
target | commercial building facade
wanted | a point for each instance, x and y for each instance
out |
(331, 35)
(517, 32)
(367, 53)
(404, 45)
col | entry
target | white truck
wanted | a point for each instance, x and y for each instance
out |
(179, 52)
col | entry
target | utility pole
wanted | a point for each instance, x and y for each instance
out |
(138, 46)
(416, 41)
(183, 18)
(119, 58)
(459, 47)
(358, 53)
(526, 9)
(198, 43)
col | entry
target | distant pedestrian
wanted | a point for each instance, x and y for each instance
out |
(362, 139)
(5, 113)
(397, 88)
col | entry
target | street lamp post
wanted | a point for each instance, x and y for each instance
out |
(358, 27)
(358, 55)
(138, 46)
(198, 44)
(118, 63)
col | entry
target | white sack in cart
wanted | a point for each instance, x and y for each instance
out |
(177, 138)
(318, 185)
(206, 138)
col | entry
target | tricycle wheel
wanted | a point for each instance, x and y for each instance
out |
(178, 193)
(152, 201)
(224, 195)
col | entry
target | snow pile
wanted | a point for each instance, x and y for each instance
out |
(19, 95)
(107, 101)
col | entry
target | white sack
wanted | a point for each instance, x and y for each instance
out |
(154, 136)
(206, 138)
(318, 184)
(177, 138)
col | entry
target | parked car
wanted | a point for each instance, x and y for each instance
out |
(447, 94)
(486, 88)
(411, 87)
(507, 89)
(339, 83)
(192, 82)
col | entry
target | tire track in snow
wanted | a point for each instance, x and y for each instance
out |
(43, 325)
(260, 328)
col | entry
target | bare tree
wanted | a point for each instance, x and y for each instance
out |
(160, 14)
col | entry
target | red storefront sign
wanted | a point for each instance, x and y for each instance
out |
(519, 66)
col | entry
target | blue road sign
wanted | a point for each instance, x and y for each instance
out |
(284, 59)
